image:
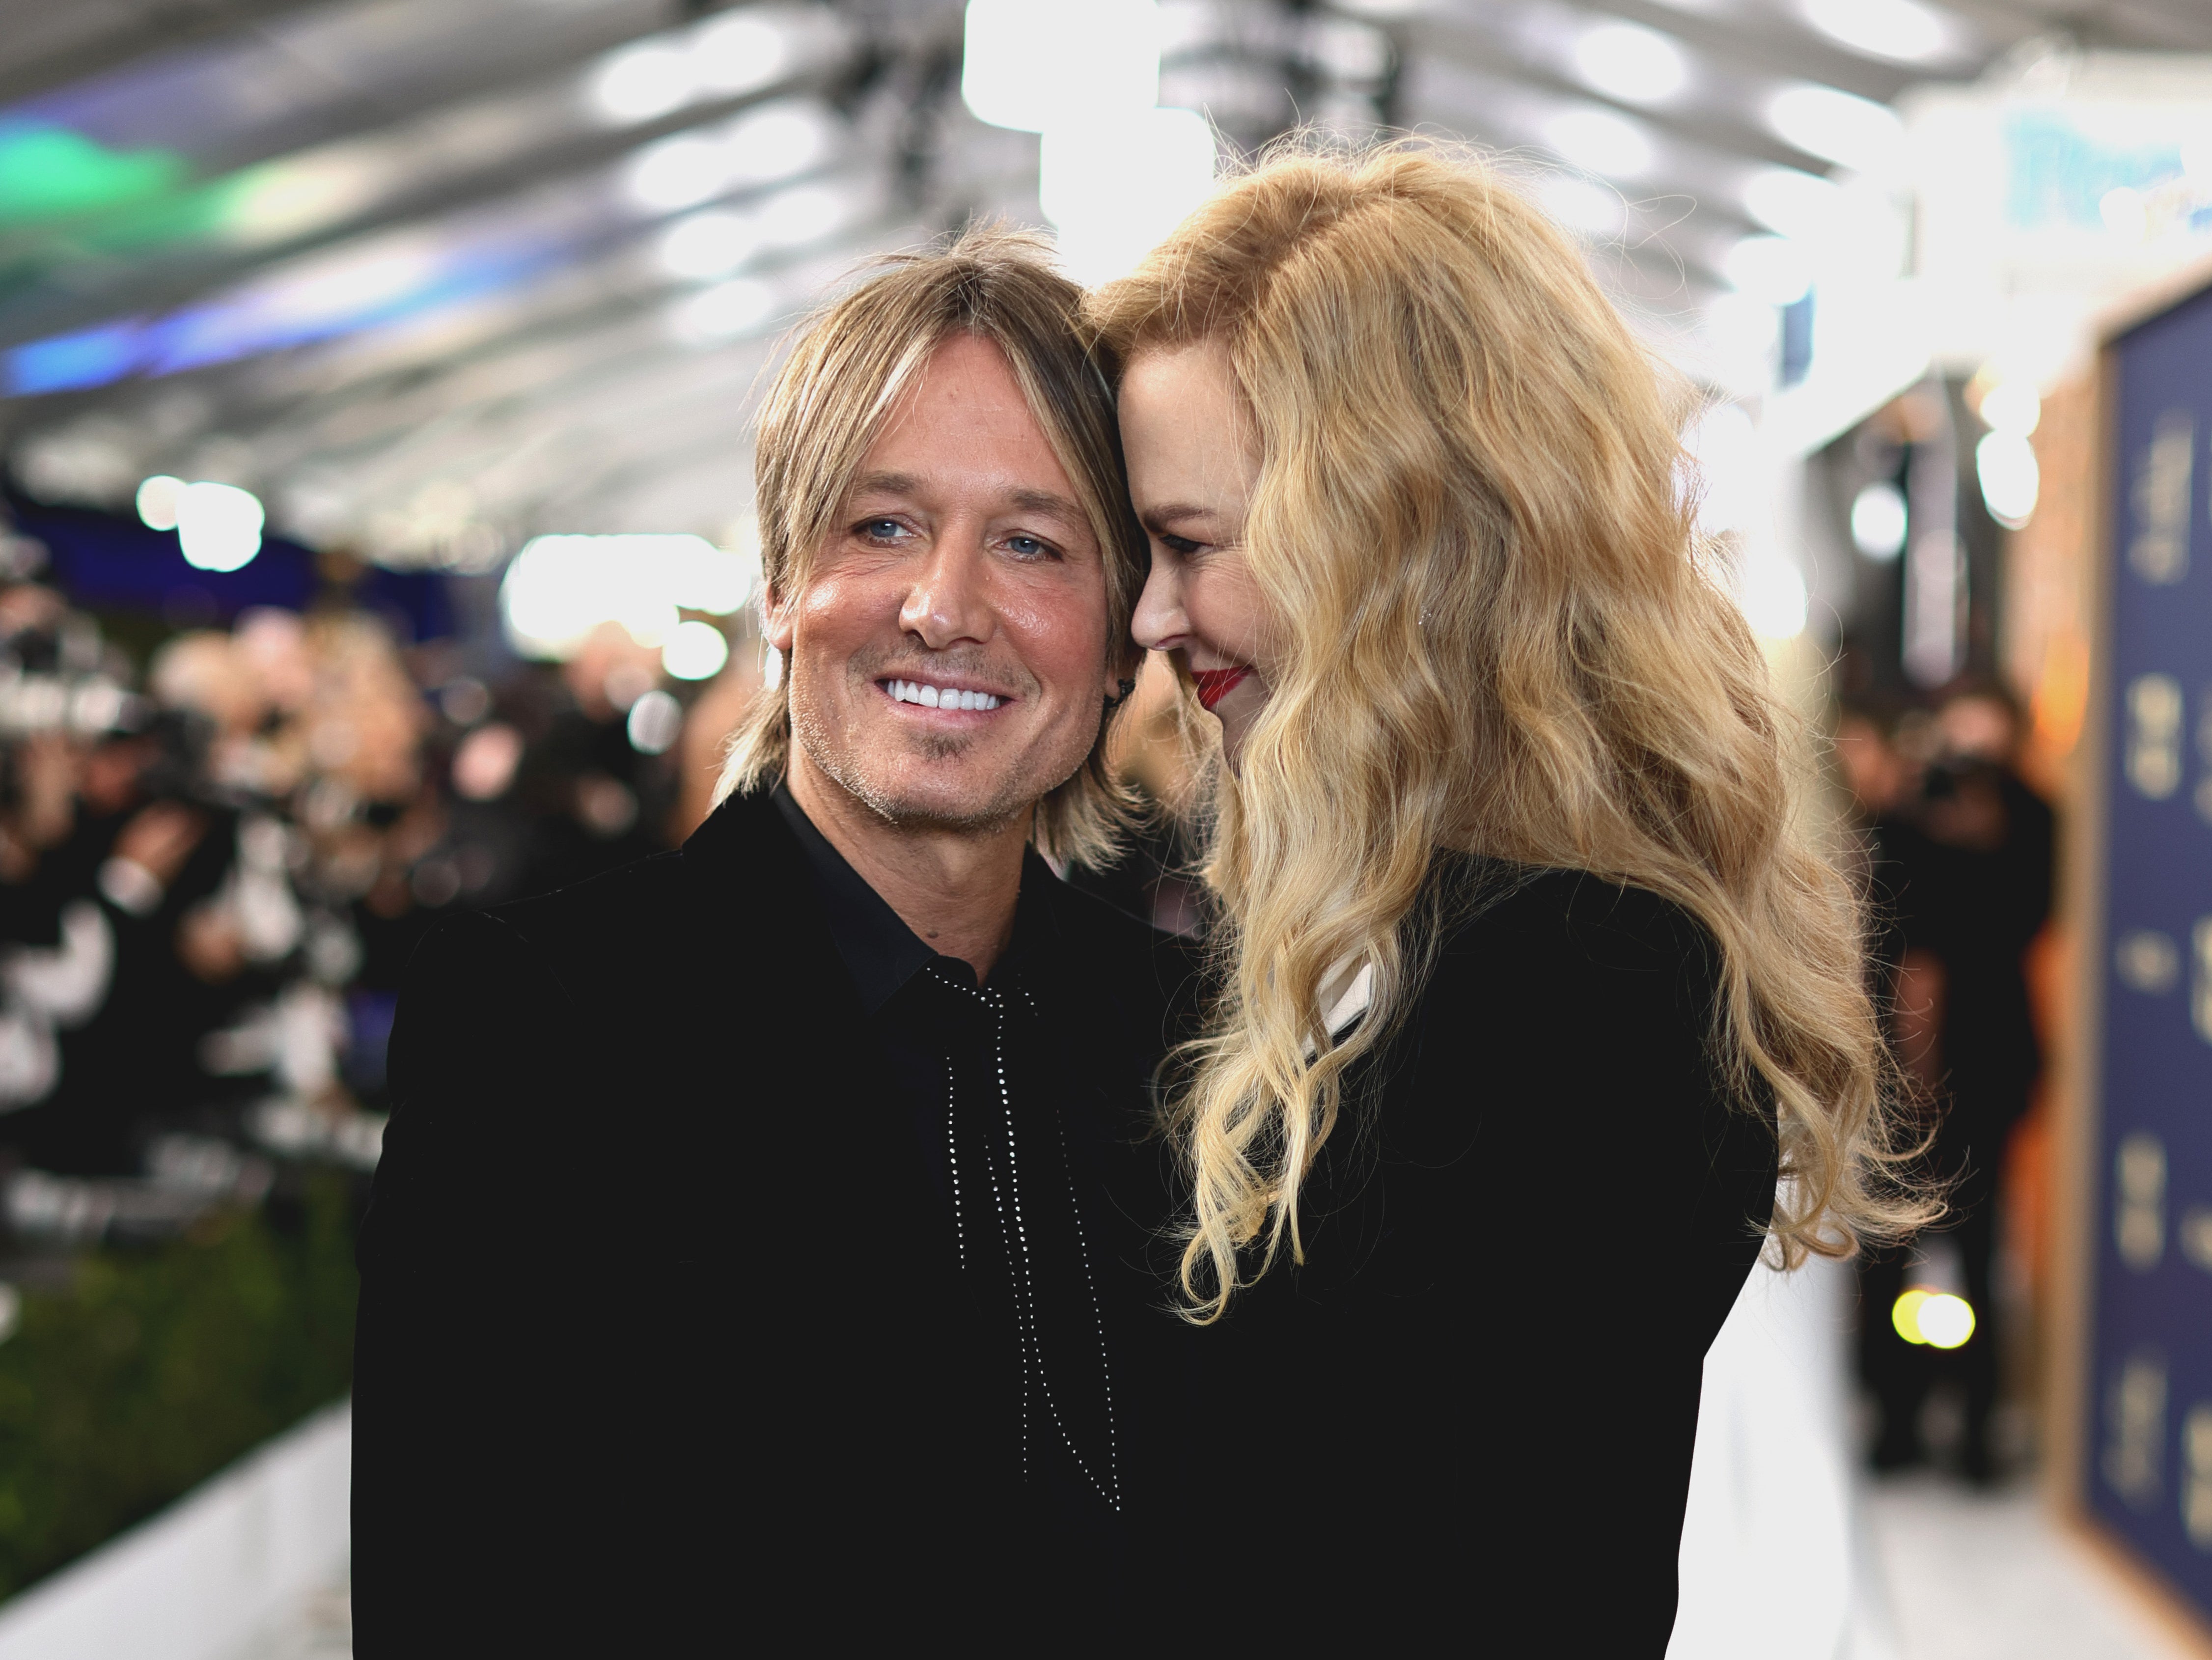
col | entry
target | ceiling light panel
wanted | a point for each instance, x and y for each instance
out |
(767, 144)
(1583, 205)
(171, 225)
(1837, 126)
(1901, 31)
(1706, 90)
(1772, 269)
(1790, 203)
(320, 71)
(1028, 66)
(1599, 141)
(1628, 62)
(1660, 198)
(381, 278)
(725, 57)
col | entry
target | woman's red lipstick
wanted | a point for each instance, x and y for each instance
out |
(1214, 684)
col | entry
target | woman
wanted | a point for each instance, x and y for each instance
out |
(1534, 978)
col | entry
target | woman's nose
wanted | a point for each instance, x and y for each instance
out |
(1159, 623)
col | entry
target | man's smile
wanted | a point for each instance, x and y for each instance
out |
(943, 696)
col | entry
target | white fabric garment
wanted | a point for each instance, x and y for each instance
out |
(1773, 1562)
(297, 1037)
(259, 892)
(30, 1059)
(1350, 1003)
(67, 983)
(45, 987)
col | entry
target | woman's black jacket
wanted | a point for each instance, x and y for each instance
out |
(1464, 1425)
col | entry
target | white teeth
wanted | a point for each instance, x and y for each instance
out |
(931, 697)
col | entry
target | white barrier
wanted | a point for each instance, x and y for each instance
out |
(197, 1580)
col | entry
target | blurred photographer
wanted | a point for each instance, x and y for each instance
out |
(1963, 866)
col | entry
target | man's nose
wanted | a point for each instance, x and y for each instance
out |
(1159, 623)
(949, 603)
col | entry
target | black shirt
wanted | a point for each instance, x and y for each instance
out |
(667, 1341)
(982, 1097)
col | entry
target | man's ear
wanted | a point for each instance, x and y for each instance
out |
(776, 623)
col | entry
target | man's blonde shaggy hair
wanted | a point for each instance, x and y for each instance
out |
(850, 364)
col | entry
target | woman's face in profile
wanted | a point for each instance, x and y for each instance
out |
(1192, 462)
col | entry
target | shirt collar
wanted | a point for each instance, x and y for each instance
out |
(880, 951)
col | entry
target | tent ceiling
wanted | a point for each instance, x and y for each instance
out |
(432, 276)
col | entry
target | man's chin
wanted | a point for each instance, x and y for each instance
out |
(930, 815)
(940, 805)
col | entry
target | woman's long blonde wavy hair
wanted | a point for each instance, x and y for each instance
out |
(1501, 637)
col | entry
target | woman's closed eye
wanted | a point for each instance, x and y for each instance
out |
(1182, 546)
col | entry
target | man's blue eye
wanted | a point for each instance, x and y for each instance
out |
(1025, 544)
(883, 529)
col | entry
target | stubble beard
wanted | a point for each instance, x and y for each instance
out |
(1010, 802)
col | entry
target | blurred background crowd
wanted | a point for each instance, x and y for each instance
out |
(215, 863)
(374, 382)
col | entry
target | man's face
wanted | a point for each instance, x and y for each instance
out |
(948, 658)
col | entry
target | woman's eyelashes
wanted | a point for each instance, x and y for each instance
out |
(1182, 546)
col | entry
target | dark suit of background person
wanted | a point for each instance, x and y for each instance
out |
(1965, 876)
(670, 1330)
(1471, 1411)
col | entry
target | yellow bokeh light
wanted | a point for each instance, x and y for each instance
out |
(1904, 1314)
(1934, 1317)
(1946, 1321)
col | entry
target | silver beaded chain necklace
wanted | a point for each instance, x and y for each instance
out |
(1007, 1207)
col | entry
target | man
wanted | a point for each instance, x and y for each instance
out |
(751, 1254)
(1964, 873)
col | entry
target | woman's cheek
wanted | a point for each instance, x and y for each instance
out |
(1223, 605)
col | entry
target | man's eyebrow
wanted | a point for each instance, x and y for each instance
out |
(1050, 501)
(1028, 501)
(894, 484)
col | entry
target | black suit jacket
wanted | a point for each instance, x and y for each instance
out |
(1472, 1409)
(661, 1340)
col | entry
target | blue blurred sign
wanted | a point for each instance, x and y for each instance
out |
(109, 561)
(2149, 1437)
